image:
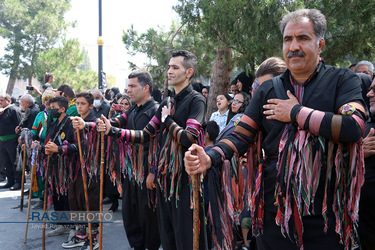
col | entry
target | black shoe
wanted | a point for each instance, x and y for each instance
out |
(16, 186)
(7, 185)
(107, 200)
(2, 178)
(114, 206)
(27, 192)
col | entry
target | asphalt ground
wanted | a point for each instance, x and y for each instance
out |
(13, 224)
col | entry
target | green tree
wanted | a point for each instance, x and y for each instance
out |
(30, 26)
(66, 62)
(250, 28)
(158, 45)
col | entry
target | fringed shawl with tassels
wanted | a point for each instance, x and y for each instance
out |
(299, 166)
(170, 164)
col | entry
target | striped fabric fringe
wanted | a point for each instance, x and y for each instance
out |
(222, 233)
(230, 205)
(170, 166)
(299, 168)
(90, 154)
(116, 161)
(34, 160)
(255, 187)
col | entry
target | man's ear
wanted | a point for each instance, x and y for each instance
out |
(321, 45)
(189, 72)
(146, 88)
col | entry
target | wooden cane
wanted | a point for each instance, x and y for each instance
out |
(23, 176)
(195, 213)
(45, 203)
(28, 205)
(195, 180)
(101, 189)
(84, 185)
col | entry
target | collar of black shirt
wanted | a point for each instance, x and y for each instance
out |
(140, 107)
(285, 76)
(90, 117)
(184, 92)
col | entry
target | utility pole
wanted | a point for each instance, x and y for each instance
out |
(100, 48)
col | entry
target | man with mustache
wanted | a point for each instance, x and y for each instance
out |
(304, 190)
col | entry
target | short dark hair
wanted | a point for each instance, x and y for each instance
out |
(67, 90)
(314, 15)
(143, 77)
(88, 96)
(190, 60)
(212, 129)
(226, 95)
(273, 65)
(47, 76)
(62, 101)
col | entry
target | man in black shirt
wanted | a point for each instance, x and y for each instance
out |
(31, 111)
(27, 121)
(138, 212)
(177, 124)
(10, 118)
(305, 191)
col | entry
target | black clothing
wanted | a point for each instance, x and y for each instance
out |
(28, 123)
(175, 218)
(8, 151)
(62, 134)
(103, 110)
(335, 88)
(140, 221)
(9, 120)
(366, 206)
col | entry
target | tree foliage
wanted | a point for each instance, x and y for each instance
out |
(66, 62)
(251, 27)
(158, 45)
(30, 26)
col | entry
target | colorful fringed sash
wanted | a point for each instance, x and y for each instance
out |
(170, 164)
(299, 166)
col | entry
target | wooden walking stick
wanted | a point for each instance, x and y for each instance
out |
(101, 189)
(84, 184)
(195, 184)
(195, 181)
(30, 194)
(45, 203)
(23, 176)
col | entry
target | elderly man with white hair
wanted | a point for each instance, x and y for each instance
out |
(31, 111)
(365, 67)
(100, 105)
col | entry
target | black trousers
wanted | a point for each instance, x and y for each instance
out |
(8, 150)
(76, 196)
(313, 235)
(140, 221)
(176, 219)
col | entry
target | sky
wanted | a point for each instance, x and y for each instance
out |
(118, 15)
